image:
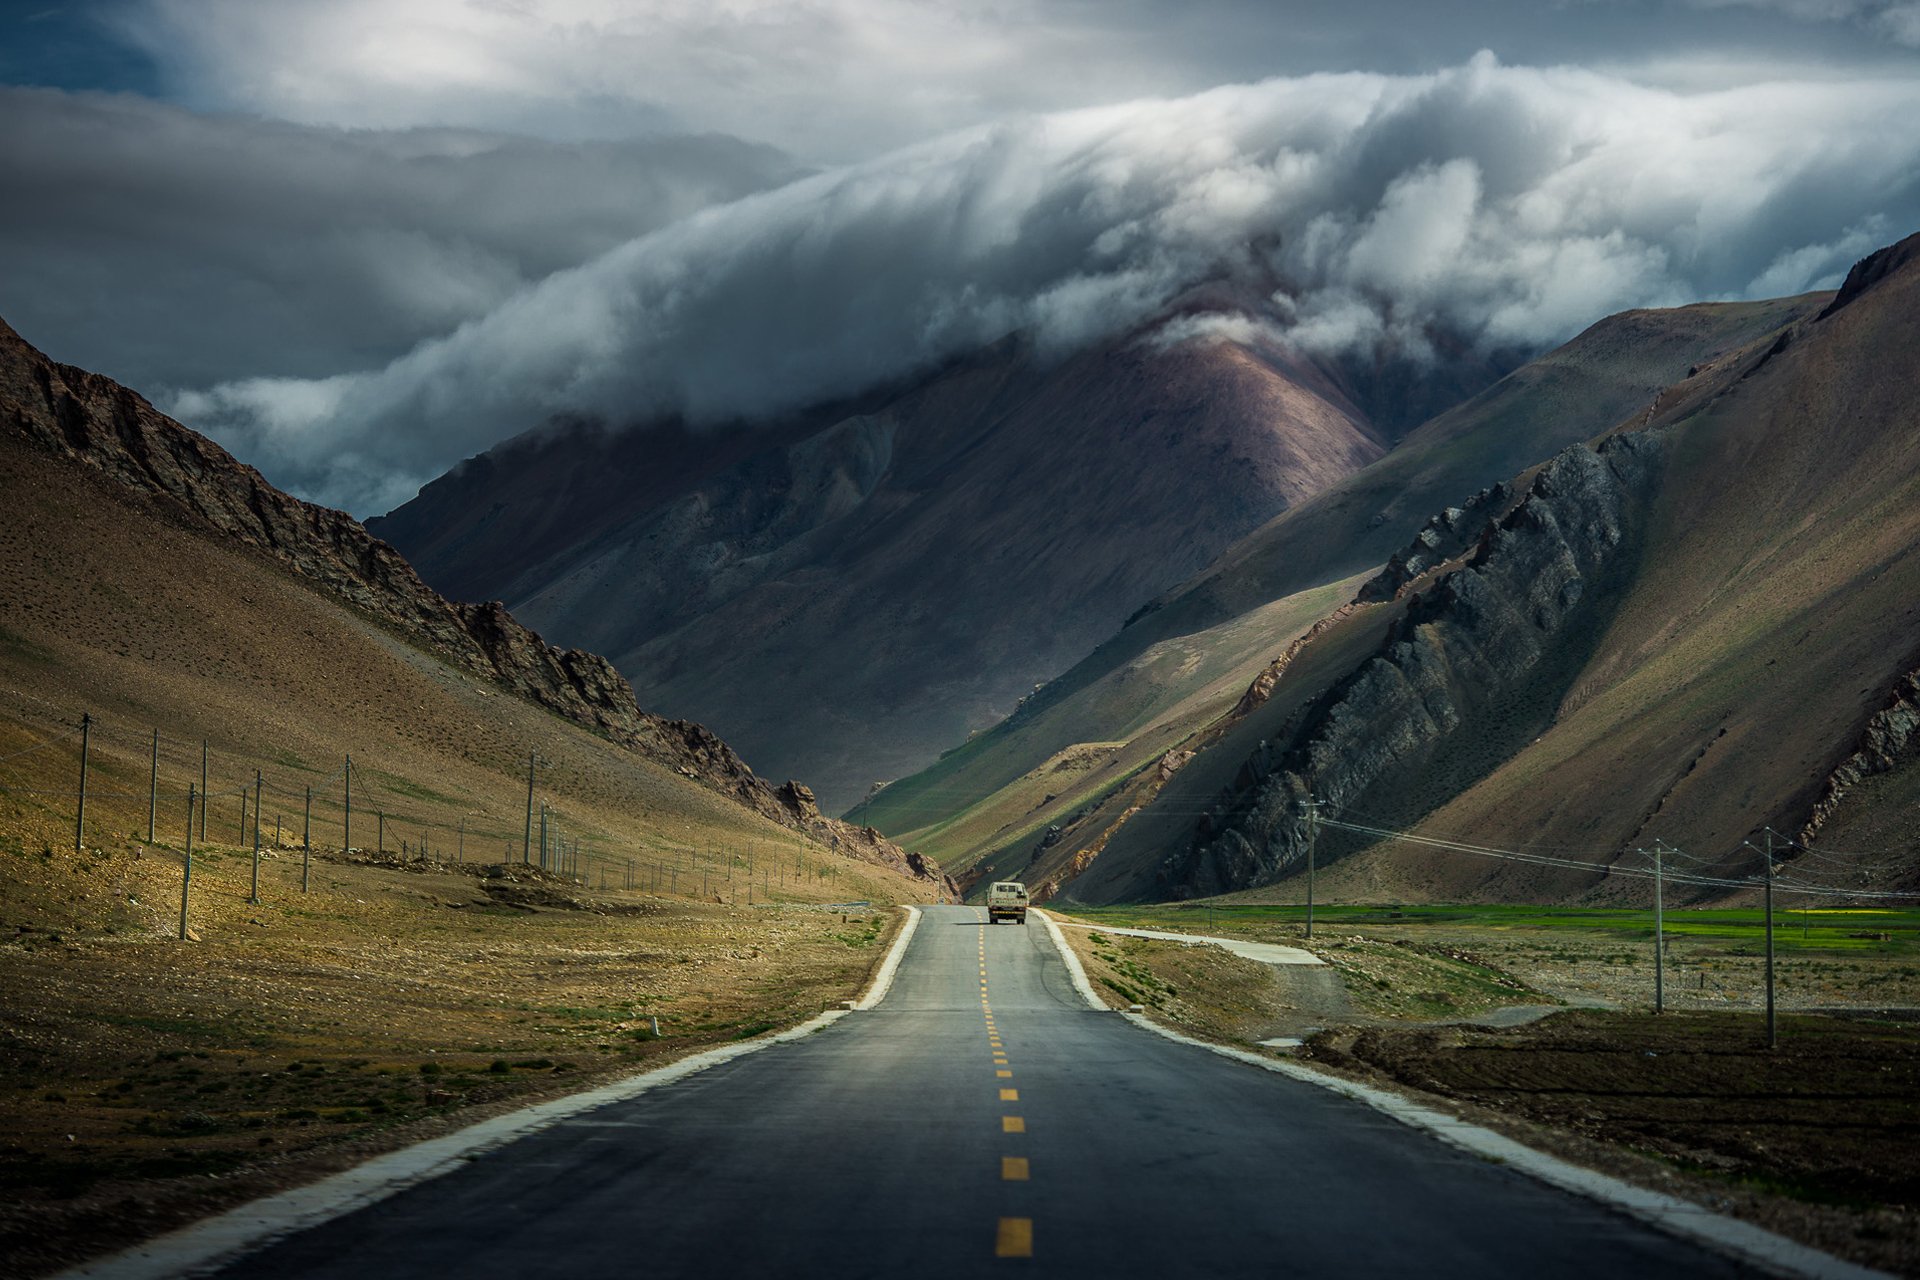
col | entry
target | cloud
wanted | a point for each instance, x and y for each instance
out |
(835, 81)
(1504, 205)
(1898, 20)
(168, 248)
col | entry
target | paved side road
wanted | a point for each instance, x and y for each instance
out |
(982, 1121)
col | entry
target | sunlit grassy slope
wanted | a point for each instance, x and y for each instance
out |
(114, 610)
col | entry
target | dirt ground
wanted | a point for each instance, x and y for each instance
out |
(1817, 1139)
(146, 1082)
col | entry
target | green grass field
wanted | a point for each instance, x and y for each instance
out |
(1891, 932)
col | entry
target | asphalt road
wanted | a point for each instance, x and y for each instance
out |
(982, 1122)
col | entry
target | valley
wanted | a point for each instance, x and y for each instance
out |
(885, 639)
(546, 886)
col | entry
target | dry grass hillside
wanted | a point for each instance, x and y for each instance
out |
(144, 623)
(1182, 664)
(1770, 632)
(328, 1002)
(1700, 630)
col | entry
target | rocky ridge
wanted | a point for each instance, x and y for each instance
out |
(1891, 738)
(1468, 671)
(97, 423)
(1444, 537)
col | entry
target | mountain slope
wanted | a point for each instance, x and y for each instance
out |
(1702, 626)
(1220, 623)
(914, 563)
(150, 577)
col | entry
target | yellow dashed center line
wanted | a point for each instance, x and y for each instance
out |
(1014, 1239)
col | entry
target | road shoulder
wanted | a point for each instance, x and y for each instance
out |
(1773, 1253)
(249, 1227)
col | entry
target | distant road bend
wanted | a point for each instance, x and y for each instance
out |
(982, 1121)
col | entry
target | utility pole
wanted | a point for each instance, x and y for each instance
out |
(80, 814)
(460, 841)
(543, 834)
(526, 845)
(1659, 931)
(380, 830)
(1772, 1036)
(186, 879)
(306, 847)
(346, 826)
(153, 785)
(253, 894)
(1311, 808)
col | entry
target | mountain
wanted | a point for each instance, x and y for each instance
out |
(1702, 624)
(847, 592)
(1185, 659)
(151, 576)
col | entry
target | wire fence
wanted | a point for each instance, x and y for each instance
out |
(112, 781)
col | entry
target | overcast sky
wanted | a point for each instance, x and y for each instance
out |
(357, 241)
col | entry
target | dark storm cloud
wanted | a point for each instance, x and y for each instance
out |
(1507, 205)
(173, 249)
(842, 80)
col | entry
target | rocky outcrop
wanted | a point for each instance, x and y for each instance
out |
(1872, 269)
(1466, 674)
(1890, 739)
(1269, 678)
(97, 423)
(1444, 537)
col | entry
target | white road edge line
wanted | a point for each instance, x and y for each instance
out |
(1770, 1252)
(214, 1242)
(883, 977)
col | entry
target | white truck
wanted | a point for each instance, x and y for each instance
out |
(1007, 900)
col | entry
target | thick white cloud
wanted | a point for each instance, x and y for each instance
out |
(168, 248)
(1505, 205)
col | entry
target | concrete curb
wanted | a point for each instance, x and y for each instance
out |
(210, 1244)
(883, 977)
(1772, 1253)
(1273, 953)
(1074, 968)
